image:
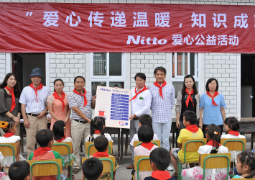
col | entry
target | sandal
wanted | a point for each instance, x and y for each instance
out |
(69, 176)
(75, 171)
(175, 175)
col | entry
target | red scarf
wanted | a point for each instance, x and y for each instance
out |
(97, 131)
(101, 154)
(84, 95)
(161, 175)
(13, 97)
(56, 96)
(210, 143)
(189, 98)
(8, 134)
(192, 128)
(160, 88)
(62, 139)
(214, 95)
(136, 93)
(38, 88)
(235, 133)
(41, 150)
(147, 145)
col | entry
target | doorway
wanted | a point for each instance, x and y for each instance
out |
(23, 63)
(248, 85)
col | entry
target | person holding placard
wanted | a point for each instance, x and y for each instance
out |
(81, 102)
(140, 104)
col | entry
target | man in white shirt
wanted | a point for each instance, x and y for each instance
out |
(140, 104)
(34, 107)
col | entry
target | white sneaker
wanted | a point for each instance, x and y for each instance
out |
(21, 158)
(170, 168)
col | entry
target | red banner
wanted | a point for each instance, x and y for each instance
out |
(57, 27)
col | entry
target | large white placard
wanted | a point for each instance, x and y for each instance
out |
(114, 105)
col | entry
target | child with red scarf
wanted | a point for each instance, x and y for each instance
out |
(231, 125)
(101, 144)
(97, 126)
(213, 146)
(45, 140)
(160, 160)
(190, 132)
(145, 134)
(59, 132)
(9, 127)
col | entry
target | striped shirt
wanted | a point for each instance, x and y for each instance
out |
(161, 108)
(78, 100)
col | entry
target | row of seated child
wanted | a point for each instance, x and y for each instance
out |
(213, 135)
(145, 134)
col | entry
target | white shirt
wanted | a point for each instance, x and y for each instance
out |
(8, 160)
(28, 98)
(135, 138)
(108, 137)
(67, 139)
(232, 136)
(142, 103)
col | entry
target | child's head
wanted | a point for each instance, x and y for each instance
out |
(145, 133)
(145, 119)
(246, 164)
(231, 123)
(101, 143)
(98, 123)
(189, 118)
(19, 170)
(8, 126)
(92, 168)
(160, 159)
(44, 138)
(59, 129)
(212, 132)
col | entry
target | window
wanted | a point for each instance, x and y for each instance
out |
(183, 64)
(108, 70)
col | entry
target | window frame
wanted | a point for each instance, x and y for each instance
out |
(107, 78)
(180, 78)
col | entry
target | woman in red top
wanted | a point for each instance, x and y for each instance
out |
(58, 106)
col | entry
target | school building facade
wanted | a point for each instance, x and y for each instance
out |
(109, 69)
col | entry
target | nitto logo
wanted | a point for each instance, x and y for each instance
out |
(103, 89)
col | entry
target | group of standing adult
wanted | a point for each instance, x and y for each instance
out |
(34, 102)
(160, 99)
(36, 99)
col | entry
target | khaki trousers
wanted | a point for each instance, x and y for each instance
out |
(35, 124)
(79, 131)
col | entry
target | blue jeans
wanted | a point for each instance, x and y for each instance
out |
(163, 132)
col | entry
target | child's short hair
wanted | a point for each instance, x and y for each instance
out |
(190, 116)
(19, 170)
(145, 119)
(160, 157)
(101, 143)
(6, 125)
(59, 129)
(43, 137)
(248, 158)
(92, 168)
(145, 133)
(232, 123)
